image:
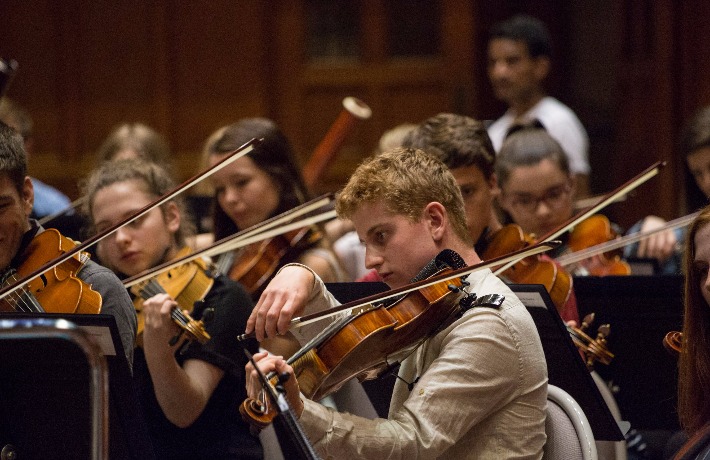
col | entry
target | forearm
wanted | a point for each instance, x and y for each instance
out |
(181, 395)
(319, 300)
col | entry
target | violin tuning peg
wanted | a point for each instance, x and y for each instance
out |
(588, 319)
(604, 330)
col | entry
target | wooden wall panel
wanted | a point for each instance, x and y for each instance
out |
(187, 68)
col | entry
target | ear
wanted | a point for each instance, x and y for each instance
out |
(28, 196)
(172, 217)
(437, 219)
(542, 67)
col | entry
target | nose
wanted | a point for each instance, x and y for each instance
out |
(372, 259)
(231, 194)
(542, 208)
(123, 235)
(497, 69)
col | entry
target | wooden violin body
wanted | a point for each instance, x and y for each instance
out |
(185, 283)
(590, 232)
(57, 290)
(533, 269)
(255, 264)
(367, 344)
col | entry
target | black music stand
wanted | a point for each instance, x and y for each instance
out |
(640, 311)
(44, 399)
(564, 365)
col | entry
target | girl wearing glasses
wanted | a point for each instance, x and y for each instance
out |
(538, 189)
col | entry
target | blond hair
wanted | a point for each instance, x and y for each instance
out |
(406, 180)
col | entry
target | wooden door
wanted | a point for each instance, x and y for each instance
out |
(406, 60)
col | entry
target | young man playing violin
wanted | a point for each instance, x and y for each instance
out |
(189, 392)
(17, 231)
(477, 388)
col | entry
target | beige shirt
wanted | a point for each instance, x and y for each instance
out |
(481, 393)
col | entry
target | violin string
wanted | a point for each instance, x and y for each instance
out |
(152, 288)
(23, 299)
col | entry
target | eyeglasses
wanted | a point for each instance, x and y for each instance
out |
(554, 198)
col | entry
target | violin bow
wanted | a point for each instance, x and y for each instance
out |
(513, 256)
(230, 158)
(609, 198)
(624, 241)
(248, 236)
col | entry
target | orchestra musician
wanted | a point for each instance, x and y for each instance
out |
(694, 357)
(48, 200)
(463, 145)
(537, 191)
(256, 187)
(260, 185)
(18, 230)
(477, 388)
(189, 392)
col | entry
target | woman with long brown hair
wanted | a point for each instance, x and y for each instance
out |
(694, 361)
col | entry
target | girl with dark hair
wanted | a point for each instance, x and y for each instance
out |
(261, 185)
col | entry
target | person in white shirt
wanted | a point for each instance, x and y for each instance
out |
(519, 56)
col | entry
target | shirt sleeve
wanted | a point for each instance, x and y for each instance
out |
(115, 302)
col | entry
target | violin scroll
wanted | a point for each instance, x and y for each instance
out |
(257, 414)
(594, 349)
(673, 341)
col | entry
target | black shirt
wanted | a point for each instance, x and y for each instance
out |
(219, 432)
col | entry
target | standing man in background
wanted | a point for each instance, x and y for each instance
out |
(519, 56)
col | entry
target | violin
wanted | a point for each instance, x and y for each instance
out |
(185, 283)
(254, 265)
(362, 345)
(593, 231)
(386, 328)
(569, 259)
(57, 290)
(593, 349)
(533, 269)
